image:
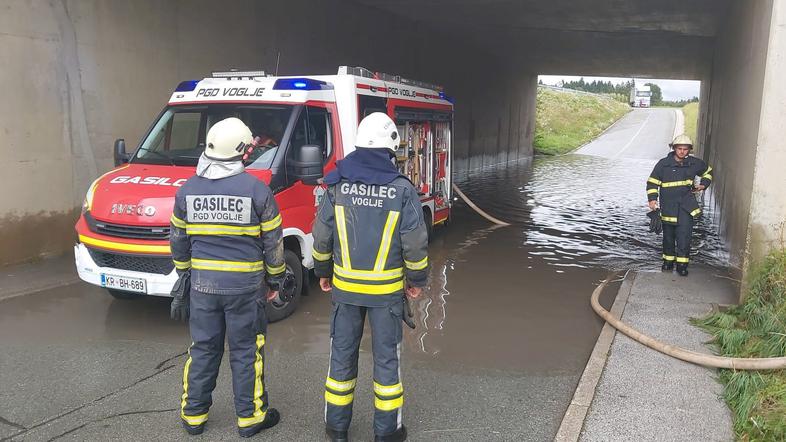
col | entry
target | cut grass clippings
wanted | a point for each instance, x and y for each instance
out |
(755, 328)
(691, 113)
(565, 120)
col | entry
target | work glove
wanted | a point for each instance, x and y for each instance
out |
(179, 310)
(656, 224)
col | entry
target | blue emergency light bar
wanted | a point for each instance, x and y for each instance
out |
(186, 86)
(443, 96)
(303, 84)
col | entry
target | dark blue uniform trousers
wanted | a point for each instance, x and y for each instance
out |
(678, 235)
(241, 320)
(345, 332)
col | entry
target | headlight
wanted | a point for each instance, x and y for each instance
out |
(89, 196)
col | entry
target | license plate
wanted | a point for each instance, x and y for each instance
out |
(138, 285)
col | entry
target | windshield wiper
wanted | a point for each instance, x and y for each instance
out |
(166, 157)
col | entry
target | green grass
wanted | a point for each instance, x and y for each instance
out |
(755, 328)
(565, 121)
(691, 112)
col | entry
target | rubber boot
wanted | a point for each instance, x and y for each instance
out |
(337, 435)
(399, 435)
(271, 419)
(667, 266)
(682, 269)
(193, 430)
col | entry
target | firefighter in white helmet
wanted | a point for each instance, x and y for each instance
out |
(226, 236)
(370, 247)
(670, 188)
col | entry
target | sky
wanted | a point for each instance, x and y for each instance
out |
(672, 89)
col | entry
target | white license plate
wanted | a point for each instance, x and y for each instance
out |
(125, 283)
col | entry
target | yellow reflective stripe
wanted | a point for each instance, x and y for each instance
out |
(368, 275)
(707, 176)
(321, 256)
(677, 183)
(388, 390)
(124, 247)
(272, 224)
(654, 181)
(340, 386)
(387, 237)
(671, 219)
(341, 224)
(652, 191)
(184, 397)
(337, 399)
(669, 257)
(259, 387)
(707, 172)
(221, 229)
(682, 260)
(182, 265)
(194, 420)
(275, 270)
(227, 266)
(368, 289)
(177, 222)
(695, 212)
(420, 265)
(388, 404)
(244, 422)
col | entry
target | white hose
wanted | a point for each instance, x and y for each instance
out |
(478, 209)
(679, 352)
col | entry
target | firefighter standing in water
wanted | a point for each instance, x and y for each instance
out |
(370, 247)
(226, 235)
(673, 182)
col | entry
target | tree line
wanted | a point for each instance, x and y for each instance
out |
(621, 91)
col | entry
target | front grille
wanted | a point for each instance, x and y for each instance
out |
(135, 232)
(146, 264)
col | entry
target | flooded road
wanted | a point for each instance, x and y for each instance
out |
(503, 334)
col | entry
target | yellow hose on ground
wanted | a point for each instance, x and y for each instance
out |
(679, 352)
(478, 209)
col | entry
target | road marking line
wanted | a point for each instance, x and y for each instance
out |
(620, 152)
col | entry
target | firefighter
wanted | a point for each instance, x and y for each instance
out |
(673, 182)
(370, 247)
(226, 234)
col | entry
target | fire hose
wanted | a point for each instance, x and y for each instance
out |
(679, 352)
(478, 209)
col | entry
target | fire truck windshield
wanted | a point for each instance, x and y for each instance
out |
(178, 137)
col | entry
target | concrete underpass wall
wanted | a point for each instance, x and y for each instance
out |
(79, 74)
(732, 116)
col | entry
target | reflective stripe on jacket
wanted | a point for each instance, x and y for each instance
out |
(672, 183)
(372, 241)
(228, 232)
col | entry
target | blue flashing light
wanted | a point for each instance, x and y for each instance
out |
(445, 97)
(303, 84)
(186, 86)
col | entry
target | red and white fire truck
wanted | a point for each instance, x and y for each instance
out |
(124, 227)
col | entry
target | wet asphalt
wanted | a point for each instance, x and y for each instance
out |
(503, 333)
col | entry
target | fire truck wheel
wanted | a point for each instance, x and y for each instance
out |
(429, 224)
(295, 269)
(119, 294)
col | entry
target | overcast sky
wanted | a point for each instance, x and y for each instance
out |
(672, 89)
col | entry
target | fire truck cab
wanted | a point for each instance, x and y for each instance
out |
(305, 124)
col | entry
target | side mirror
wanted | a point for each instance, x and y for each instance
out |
(121, 157)
(306, 164)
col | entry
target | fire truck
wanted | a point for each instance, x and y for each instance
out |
(304, 124)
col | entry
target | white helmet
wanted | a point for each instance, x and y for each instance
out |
(227, 140)
(682, 140)
(377, 131)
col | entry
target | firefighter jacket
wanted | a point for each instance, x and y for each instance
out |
(227, 231)
(371, 239)
(672, 182)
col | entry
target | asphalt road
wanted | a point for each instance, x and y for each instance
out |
(503, 332)
(641, 134)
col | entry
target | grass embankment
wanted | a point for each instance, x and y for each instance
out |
(691, 112)
(756, 328)
(565, 121)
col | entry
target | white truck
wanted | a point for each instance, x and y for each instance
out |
(640, 96)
